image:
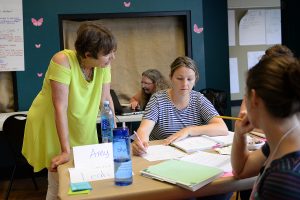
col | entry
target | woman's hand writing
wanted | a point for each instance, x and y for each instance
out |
(139, 147)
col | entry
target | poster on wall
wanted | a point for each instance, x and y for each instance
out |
(260, 27)
(11, 36)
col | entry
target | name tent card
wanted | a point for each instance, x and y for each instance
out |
(92, 162)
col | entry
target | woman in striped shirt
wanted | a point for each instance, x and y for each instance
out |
(273, 103)
(178, 112)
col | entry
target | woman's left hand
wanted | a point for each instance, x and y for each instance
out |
(59, 160)
(183, 133)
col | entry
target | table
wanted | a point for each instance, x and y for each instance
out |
(120, 118)
(145, 188)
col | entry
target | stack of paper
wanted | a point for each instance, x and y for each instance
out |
(182, 173)
(79, 188)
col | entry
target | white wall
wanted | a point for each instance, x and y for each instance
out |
(253, 3)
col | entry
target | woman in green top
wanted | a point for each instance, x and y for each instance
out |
(64, 112)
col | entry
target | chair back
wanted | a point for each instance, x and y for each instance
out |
(218, 98)
(13, 129)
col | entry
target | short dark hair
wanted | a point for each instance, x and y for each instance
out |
(94, 38)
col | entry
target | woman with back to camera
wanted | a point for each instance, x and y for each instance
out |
(152, 81)
(64, 112)
(273, 51)
(273, 103)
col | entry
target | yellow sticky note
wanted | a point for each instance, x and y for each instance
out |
(70, 192)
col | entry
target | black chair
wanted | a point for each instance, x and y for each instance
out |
(218, 98)
(13, 130)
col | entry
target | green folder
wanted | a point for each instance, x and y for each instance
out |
(182, 173)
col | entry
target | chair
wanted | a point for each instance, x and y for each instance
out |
(218, 98)
(13, 129)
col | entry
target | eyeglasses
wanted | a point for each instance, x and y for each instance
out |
(146, 83)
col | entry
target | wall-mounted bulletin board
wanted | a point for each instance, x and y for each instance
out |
(251, 31)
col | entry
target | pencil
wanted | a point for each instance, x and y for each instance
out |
(228, 117)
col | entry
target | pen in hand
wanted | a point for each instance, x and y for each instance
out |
(140, 141)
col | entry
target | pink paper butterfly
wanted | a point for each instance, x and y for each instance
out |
(197, 30)
(39, 75)
(127, 4)
(38, 22)
(37, 46)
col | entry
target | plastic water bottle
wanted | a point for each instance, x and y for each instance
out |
(122, 157)
(107, 122)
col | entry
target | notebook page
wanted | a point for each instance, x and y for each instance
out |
(223, 140)
(162, 152)
(192, 144)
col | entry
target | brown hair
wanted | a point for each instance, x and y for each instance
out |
(184, 62)
(94, 38)
(277, 81)
(277, 50)
(158, 80)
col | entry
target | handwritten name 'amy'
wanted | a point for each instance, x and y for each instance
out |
(104, 153)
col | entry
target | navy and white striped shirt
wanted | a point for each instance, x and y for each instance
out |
(282, 179)
(169, 120)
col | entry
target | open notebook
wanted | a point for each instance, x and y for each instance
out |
(203, 142)
(119, 109)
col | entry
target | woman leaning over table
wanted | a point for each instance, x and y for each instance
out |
(64, 112)
(178, 112)
(272, 102)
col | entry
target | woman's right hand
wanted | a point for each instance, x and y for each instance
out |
(134, 105)
(59, 160)
(139, 147)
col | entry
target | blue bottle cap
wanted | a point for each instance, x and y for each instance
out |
(120, 132)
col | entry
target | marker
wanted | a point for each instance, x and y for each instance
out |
(228, 117)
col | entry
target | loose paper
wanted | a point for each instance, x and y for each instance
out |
(273, 26)
(210, 159)
(254, 57)
(260, 26)
(162, 152)
(234, 76)
(231, 27)
(11, 36)
(252, 28)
